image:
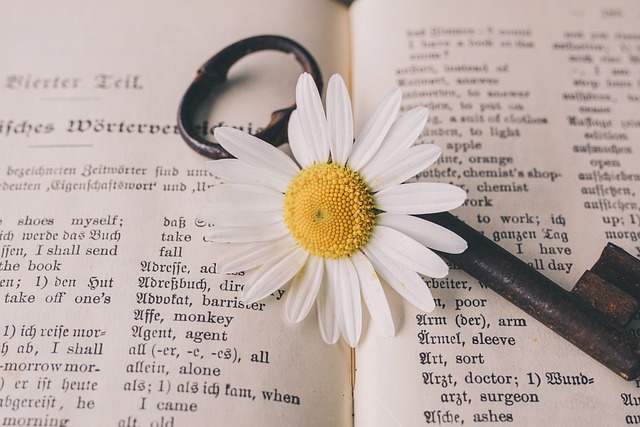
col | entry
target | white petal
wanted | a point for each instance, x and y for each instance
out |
(373, 294)
(431, 235)
(254, 255)
(256, 152)
(304, 289)
(348, 304)
(374, 131)
(339, 120)
(312, 118)
(226, 215)
(402, 134)
(401, 167)
(402, 279)
(239, 172)
(245, 196)
(326, 302)
(403, 249)
(420, 198)
(299, 144)
(256, 233)
(272, 276)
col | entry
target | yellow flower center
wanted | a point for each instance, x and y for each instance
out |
(329, 210)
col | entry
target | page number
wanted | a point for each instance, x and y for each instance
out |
(611, 12)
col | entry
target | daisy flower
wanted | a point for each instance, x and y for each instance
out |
(337, 219)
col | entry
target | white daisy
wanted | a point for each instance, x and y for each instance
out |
(339, 219)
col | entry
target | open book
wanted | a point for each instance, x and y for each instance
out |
(112, 311)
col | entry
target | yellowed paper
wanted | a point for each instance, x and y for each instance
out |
(112, 311)
(535, 105)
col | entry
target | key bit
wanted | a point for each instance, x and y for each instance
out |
(615, 305)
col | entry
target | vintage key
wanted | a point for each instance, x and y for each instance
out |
(592, 316)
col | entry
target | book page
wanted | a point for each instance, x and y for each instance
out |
(536, 108)
(112, 309)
